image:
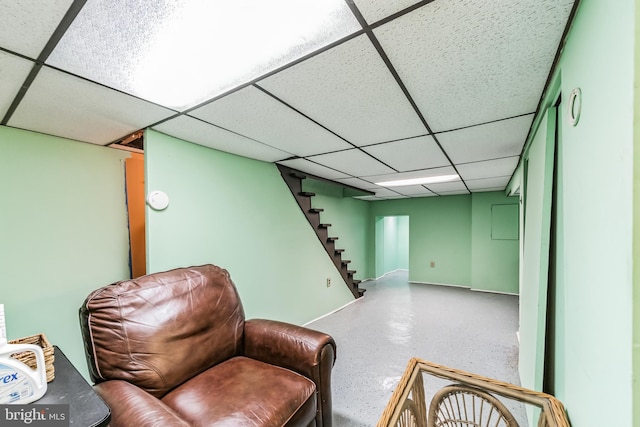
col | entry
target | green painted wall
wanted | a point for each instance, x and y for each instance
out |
(559, 329)
(389, 243)
(76, 231)
(238, 213)
(402, 248)
(636, 221)
(597, 267)
(379, 249)
(440, 231)
(535, 256)
(63, 233)
(595, 234)
(494, 242)
(455, 232)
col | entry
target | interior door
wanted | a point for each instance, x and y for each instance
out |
(134, 172)
(540, 160)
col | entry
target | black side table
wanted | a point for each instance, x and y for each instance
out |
(86, 408)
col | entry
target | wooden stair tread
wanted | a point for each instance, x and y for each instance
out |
(294, 180)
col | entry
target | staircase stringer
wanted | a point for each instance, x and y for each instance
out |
(294, 179)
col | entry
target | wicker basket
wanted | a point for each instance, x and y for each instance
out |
(29, 359)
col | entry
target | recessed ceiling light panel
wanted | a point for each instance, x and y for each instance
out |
(419, 181)
(180, 53)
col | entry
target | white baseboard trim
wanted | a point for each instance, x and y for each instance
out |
(390, 272)
(495, 292)
(465, 287)
(440, 284)
(331, 312)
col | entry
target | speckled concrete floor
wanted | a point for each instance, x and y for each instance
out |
(396, 320)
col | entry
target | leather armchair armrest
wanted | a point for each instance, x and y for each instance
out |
(303, 350)
(132, 406)
(290, 346)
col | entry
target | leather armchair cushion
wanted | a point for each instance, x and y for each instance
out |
(132, 406)
(305, 351)
(245, 392)
(158, 331)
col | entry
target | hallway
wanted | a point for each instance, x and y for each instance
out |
(396, 320)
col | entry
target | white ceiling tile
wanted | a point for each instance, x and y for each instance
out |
(349, 90)
(453, 193)
(488, 168)
(313, 169)
(381, 192)
(180, 53)
(63, 105)
(257, 115)
(354, 162)
(27, 25)
(472, 61)
(13, 71)
(358, 183)
(367, 198)
(448, 170)
(424, 195)
(414, 190)
(198, 132)
(468, 65)
(486, 190)
(488, 183)
(409, 154)
(489, 141)
(375, 10)
(446, 187)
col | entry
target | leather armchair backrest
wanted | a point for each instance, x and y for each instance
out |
(162, 329)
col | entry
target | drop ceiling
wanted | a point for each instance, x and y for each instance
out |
(382, 90)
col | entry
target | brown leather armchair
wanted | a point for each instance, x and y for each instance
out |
(174, 349)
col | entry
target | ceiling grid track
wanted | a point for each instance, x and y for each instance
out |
(255, 81)
(322, 126)
(66, 21)
(436, 97)
(374, 40)
(552, 71)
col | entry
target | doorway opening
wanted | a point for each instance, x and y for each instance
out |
(392, 244)
(134, 181)
(135, 199)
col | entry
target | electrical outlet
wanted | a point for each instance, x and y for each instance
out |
(432, 264)
(328, 282)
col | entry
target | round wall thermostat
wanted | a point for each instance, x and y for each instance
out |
(575, 106)
(158, 200)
